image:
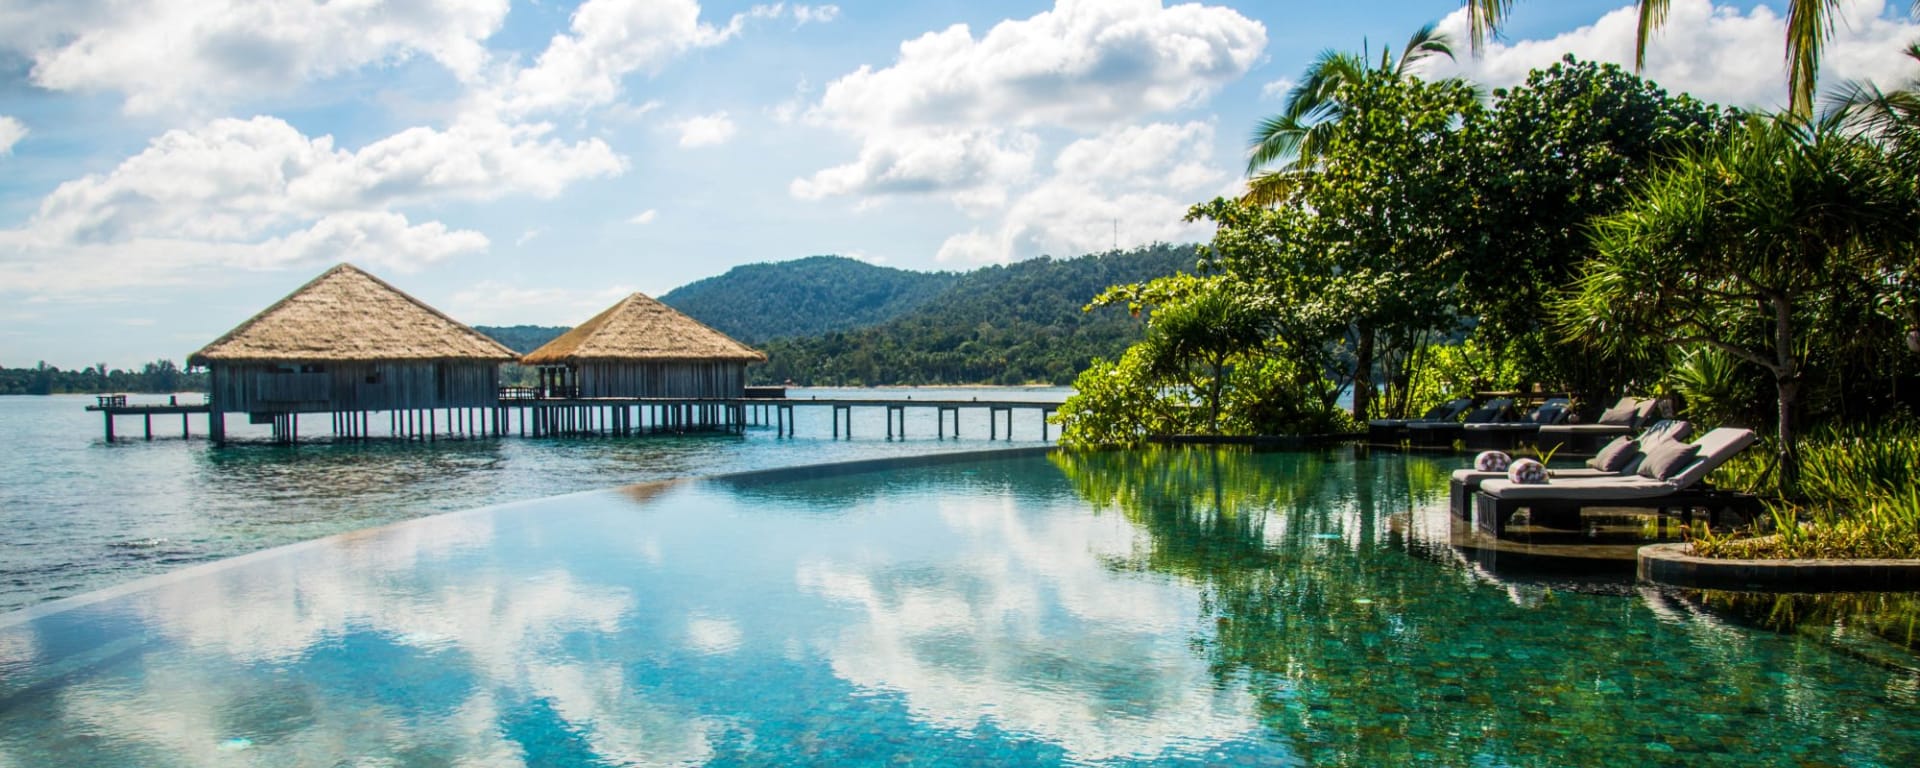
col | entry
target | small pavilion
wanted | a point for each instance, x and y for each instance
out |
(348, 344)
(641, 348)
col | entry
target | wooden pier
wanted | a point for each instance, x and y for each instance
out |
(526, 413)
(116, 405)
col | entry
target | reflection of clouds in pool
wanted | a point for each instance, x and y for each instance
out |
(713, 636)
(1027, 630)
(623, 724)
(486, 633)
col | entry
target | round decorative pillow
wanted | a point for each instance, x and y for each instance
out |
(1527, 472)
(1492, 461)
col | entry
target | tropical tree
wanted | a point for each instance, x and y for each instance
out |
(1893, 119)
(1294, 141)
(1548, 156)
(1809, 25)
(1744, 247)
(1195, 339)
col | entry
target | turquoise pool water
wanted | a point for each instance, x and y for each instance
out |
(79, 514)
(1181, 607)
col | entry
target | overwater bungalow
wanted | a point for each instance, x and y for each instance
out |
(348, 343)
(641, 348)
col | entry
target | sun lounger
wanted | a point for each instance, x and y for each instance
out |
(1504, 435)
(1395, 430)
(1559, 501)
(1622, 419)
(1465, 481)
(1434, 433)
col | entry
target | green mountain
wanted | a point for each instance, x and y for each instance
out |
(827, 320)
(1015, 324)
(757, 303)
(522, 338)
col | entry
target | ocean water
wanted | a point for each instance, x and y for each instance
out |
(1187, 606)
(78, 513)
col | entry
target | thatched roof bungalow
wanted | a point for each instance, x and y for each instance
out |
(348, 341)
(640, 347)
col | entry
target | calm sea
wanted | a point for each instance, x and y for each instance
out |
(78, 513)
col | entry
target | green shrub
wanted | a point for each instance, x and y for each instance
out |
(1856, 497)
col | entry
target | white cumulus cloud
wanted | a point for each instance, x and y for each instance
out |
(1715, 52)
(971, 118)
(609, 40)
(11, 132)
(380, 238)
(1084, 63)
(926, 161)
(236, 179)
(706, 130)
(258, 193)
(1125, 187)
(184, 54)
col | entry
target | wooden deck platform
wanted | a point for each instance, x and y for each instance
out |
(117, 405)
(522, 412)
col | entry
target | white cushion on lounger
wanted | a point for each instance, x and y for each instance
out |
(1580, 489)
(1476, 476)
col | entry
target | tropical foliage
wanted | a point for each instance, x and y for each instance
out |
(1763, 246)
(1416, 216)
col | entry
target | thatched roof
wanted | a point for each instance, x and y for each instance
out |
(347, 314)
(639, 328)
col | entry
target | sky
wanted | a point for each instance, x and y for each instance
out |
(170, 167)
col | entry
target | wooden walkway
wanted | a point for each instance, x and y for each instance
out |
(517, 413)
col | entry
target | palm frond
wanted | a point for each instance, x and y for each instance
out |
(1809, 24)
(1425, 43)
(1653, 13)
(1484, 18)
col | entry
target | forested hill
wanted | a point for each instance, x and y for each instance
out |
(522, 338)
(1015, 324)
(757, 303)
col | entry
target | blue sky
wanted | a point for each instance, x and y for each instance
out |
(170, 167)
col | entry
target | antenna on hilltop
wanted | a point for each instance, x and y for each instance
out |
(1116, 233)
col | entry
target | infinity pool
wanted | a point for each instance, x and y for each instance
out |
(1194, 607)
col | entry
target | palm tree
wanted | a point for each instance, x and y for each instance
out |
(1809, 24)
(1893, 116)
(1296, 138)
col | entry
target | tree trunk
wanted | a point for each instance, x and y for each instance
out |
(1213, 398)
(1789, 393)
(1786, 381)
(1363, 373)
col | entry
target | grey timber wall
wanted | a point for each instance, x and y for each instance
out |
(354, 386)
(691, 379)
